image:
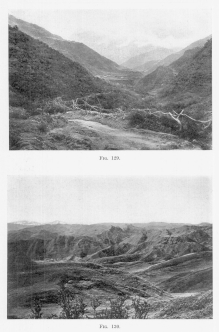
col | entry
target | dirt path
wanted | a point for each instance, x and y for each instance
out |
(130, 140)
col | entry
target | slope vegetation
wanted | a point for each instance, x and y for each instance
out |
(37, 72)
(75, 51)
(190, 73)
(149, 62)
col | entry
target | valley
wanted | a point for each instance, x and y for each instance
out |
(167, 265)
(64, 95)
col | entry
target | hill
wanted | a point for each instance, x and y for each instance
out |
(37, 72)
(150, 64)
(164, 75)
(75, 51)
(196, 75)
(175, 56)
(112, 242)
(167, 265)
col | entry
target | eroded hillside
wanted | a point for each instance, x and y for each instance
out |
(170, 265)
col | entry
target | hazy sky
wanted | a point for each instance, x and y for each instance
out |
(95, 200)
(166, 27)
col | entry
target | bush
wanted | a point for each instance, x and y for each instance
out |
(117, 310)
(73, 307)
(56, 105)
(143, 120)
(18, 113)
(136, 119)
(42, 127)
(141, 308)
(37, 308)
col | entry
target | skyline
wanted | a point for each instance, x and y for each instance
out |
(116, 200)
(162, 27)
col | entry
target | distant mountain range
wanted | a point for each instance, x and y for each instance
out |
(116, 49)
(152, 59)
(109, 242)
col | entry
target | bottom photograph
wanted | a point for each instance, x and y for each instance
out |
(109, 248)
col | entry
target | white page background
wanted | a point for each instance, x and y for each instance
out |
(86, 163)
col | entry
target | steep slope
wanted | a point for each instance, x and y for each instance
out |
(37, 72)
(164, 75)
(196, 75)
(190, 73)
(150, 66)
(175, 56)
(75, 51)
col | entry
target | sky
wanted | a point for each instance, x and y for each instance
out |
(164, 27)
(97, 200)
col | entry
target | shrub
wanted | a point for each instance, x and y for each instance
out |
(141, 308)
(151, 122)
(18, 113)
(118, 309)
(37, 308)
(42, 127)
(73, 307)
(56, 105)
(136, 119)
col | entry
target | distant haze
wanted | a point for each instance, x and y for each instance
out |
(99, 200)
(163, 27)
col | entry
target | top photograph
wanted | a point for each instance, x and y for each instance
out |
(110, 79)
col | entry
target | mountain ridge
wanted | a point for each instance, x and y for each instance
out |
(183, 69)
(75, 51)
(151, 64)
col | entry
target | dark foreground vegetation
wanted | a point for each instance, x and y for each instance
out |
(73, 307)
